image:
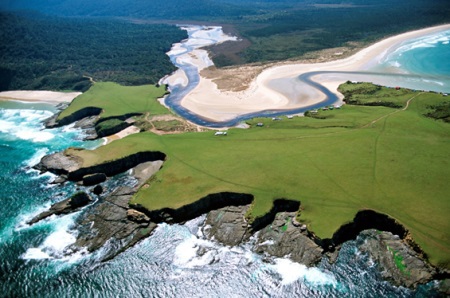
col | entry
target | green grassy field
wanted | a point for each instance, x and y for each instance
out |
(394, 161)
(116, 100)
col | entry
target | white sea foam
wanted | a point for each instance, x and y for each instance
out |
(35, 254)
(58, 241)
(430, 41)
(34, 136)
(5, 126)
(291, 272)
(36, 158)
(192, 259)
(187, 253)
(25, 124)
(24, 218)
(70, 128)
(56, 244)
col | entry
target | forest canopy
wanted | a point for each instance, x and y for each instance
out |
(41, 52)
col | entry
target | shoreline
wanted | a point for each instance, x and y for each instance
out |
(209, 102)
(52, 97)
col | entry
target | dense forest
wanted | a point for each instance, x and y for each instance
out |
(86, 37)
(41, 52)
(291, 28)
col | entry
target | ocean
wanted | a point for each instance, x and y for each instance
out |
(426, 57)
(177, 260)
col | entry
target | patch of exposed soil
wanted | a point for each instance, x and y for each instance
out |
(166, 124)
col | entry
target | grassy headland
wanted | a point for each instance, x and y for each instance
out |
(116, 100)
(392, 160)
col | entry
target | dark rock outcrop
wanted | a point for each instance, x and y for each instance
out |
(396, 260)
(51, 121)
(59, 180)
(66, 206)
(444, 287)
(59, 164)
(282, 238)
(137, 216)
(78, 115)
(98, 190)
(108, 222)
(111, 221)
(228, 225)
(143, 171)
(71, 166)
(365, 220)
(79, 200)
(279, 205)
(118, 166)
(94, 179)
(88, 126)
(86, 123)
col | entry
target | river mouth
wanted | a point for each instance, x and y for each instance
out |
(404, 65)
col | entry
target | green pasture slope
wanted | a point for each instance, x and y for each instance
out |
(392, 160)
(116, 100)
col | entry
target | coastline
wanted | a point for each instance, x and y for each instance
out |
(209, 102)
(283, 220)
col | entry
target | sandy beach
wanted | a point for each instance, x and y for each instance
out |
(277, 88)
(41, 96)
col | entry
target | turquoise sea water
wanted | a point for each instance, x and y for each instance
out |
(35, 261)
(428, 57)
(425, 56)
